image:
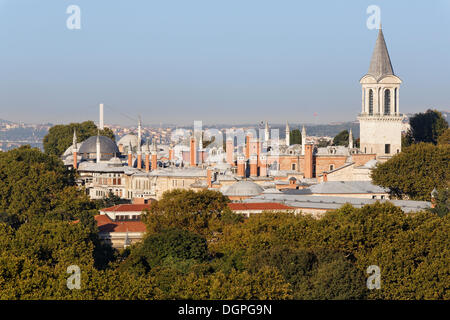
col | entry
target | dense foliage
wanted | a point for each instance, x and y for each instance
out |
(196, 248)
(295, 137)
(416, 171)
(60, 137)
(426, 127)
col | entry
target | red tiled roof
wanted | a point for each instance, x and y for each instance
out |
(258, 206)
(127, 208)
(105, 224)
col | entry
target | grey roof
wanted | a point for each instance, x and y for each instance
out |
(332, 203)
(106, 145)
(179, 172)
(340, 187)
(243, 189)
(380, 64)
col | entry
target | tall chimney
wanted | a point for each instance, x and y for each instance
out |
(75, 150)
(247, 146)
(263, 165)
(308, 158)
(241, 166)
(192, 152)
(209, 177)
(253, 165)
(130, 155)
(100, 123)
(154, 156)
(230, 151)
(147, 158)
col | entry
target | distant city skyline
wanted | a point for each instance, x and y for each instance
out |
(224, 62)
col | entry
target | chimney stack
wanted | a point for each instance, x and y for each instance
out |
(230, 151)
(253, 165)
(154, 156)
(192, 152)
(308, 158)
(75, 150)
(130, 155)
(209, 177)
(241, 166)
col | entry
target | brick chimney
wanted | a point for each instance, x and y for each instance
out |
(263, 165)
(209, 177)
(247, 145)
(147, 161)
(253, 165)
(308, 160)
(139, 159)
(192, 153)
(230, 151)
(241, 166)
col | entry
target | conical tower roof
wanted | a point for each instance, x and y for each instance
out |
(380, 64)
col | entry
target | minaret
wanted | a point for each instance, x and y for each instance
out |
(101, 125)
(288, 135)
(350, 139)
(303, 140)
(380, 119)
(75, 150)
(98, 158)
(139, 133)
(266, 132)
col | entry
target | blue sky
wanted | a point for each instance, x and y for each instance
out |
(219, 61)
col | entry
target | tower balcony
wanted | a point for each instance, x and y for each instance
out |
(381, 116)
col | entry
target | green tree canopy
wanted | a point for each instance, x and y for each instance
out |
(60, 137)
(341, 139)
(187, 209)
(295, 137)
(35, 184)
(416, 171)
(428, 126)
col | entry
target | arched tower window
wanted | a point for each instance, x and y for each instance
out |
(395, 101)
(387, 101)
(370, 102)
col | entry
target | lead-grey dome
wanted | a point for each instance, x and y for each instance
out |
(243, 189)
(107, 146)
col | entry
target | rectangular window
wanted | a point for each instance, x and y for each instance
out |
(387, 148)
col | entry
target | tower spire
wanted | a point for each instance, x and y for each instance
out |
(380, 64)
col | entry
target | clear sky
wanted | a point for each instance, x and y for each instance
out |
(235, 61)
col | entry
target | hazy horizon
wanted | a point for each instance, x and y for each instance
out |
(227, 62)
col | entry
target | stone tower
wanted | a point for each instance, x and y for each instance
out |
(380, 119)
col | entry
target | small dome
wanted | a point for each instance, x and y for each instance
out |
(114, 161)
(127, 139)
(244, 189)
(107, 146)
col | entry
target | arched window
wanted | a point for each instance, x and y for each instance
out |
(387, 101)
(395, 101)
(370, 102)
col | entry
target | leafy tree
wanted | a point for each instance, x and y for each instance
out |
(341, 139)
(174, 245)
(188, 210)
(35, 185)
(60, 137)
(442, 202)
(415, 172)
(295, 137)
(428, 126)
(444, 138)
